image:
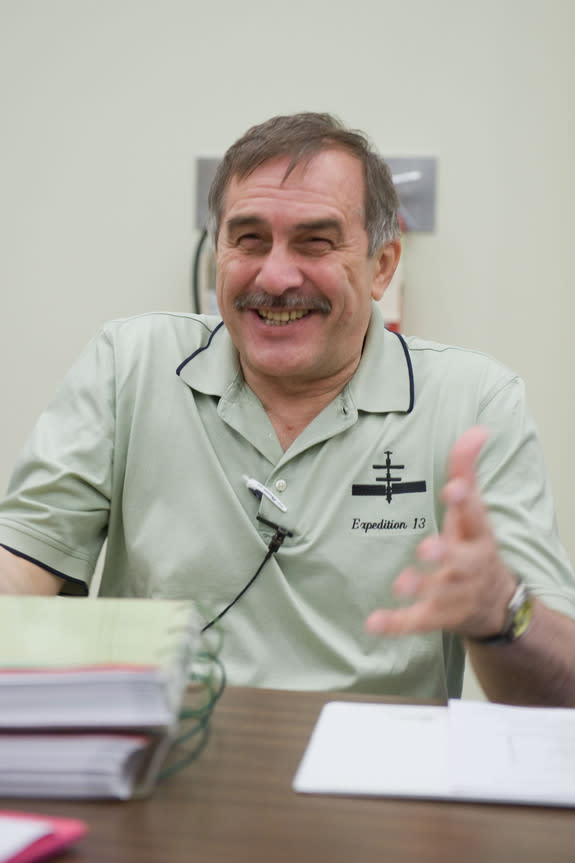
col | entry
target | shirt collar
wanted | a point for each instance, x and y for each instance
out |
(212, 367)
(383, 381)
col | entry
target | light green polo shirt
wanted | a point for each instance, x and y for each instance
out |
(149, 438)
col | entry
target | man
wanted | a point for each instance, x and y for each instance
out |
(297, 467)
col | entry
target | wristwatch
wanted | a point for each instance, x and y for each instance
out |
(517, 619)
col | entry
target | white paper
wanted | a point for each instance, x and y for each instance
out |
(16, 834)
(523, 754)
(71, 765)
(364, 748)
(467, 751)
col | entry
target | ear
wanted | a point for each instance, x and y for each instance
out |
(386, 260)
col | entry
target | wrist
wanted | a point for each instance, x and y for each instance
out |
(518, 615)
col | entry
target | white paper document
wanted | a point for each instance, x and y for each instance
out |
(16, 834)
(467, 751)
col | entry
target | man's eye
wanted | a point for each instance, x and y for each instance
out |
(319, 244)
(249, 241)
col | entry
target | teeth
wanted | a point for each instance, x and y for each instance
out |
(283, 317)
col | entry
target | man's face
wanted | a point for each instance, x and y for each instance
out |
(294, 280)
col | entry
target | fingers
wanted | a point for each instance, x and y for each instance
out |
(461, 579)
(439, 599)
(398, 622)
(439, 604)
(462, 589)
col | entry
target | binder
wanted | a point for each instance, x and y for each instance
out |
(94, 663)
(25, 837)
(90, 693)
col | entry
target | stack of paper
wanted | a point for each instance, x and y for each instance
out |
(90, 693)
(466, 751)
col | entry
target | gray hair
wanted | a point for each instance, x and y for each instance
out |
(301, 137)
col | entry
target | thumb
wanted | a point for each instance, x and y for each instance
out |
(465, 515)
(464, 454)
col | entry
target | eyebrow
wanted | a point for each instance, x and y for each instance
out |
(321, 225)
(238, 222)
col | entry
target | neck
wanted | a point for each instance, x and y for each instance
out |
(291, 405)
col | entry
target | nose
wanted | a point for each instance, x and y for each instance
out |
(279, 271)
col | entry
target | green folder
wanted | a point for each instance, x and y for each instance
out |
(91, 692)
(72, 662)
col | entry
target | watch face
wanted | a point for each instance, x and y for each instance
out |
(522, 617)
(519, 614)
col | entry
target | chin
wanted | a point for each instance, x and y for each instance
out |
(279, 368)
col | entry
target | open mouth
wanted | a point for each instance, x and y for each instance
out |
(282, 317)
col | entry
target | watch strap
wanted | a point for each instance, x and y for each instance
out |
(517, 619)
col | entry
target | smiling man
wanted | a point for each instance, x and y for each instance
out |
(295, 281)
(359, 510)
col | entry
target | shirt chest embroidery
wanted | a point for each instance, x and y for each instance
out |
(388, 484)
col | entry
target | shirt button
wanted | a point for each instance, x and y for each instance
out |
(280, 485)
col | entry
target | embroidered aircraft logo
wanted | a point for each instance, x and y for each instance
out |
(390, 484)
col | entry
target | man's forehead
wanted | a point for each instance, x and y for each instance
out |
(331, 177)
(286, 166)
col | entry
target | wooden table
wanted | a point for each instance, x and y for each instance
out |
(236, 804)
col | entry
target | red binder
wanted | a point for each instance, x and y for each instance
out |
(60, 832)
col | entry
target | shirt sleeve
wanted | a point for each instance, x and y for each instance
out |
(517, 493)
(56, 509)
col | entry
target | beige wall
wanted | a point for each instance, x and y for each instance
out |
(107, 103)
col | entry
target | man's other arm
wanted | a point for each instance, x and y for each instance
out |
(465, 587)
(21, 576)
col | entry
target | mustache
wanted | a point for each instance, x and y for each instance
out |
(285, 301)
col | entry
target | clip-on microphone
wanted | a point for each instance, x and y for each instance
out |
(275, 543)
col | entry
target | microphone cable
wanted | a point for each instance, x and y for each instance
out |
(275, 543)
